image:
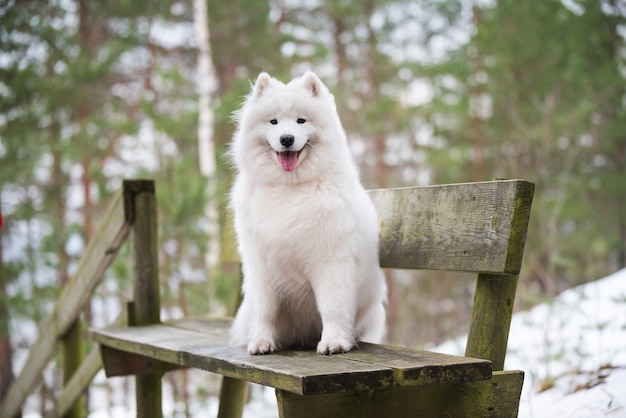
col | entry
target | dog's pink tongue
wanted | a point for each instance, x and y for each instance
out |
(288, 160)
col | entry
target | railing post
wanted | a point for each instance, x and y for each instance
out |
(73, 356)
(146, 306)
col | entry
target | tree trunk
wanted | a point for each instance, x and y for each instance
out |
(206, 145)
(6, 351)
(477, 108)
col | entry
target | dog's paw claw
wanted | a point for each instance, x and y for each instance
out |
(261, 346)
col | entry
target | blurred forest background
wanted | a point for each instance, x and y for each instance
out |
(429, 91)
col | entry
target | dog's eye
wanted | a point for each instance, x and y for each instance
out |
(300, 120)
(274, 121)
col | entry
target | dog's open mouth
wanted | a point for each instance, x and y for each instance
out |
(288, 159)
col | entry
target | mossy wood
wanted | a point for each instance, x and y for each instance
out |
(203, 343)
(473, 227)
(146, 305)
(73, 356)
(491, 318)
(497, 397)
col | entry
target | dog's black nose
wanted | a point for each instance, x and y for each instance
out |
(286, 140)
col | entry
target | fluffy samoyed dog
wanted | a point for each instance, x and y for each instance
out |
(307, 230)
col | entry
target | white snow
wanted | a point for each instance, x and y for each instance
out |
(574, 347)
(578, 342)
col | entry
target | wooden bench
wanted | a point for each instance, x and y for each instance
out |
(471, 227)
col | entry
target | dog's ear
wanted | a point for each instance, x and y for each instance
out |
(313, 83)
(263, 81)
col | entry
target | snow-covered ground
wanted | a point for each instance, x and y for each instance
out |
(573, 351)
(577, 344)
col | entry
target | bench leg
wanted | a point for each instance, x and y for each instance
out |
(232, 398)
(148, 396)
(498, 397)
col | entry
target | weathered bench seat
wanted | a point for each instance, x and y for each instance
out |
(430, 380)
(472, 227)
(203, 343)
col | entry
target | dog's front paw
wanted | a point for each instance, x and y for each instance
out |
(261, 346)
(336, 345)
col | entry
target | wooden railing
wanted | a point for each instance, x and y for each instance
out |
(63, 324)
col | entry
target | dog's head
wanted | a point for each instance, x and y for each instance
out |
(285, 125)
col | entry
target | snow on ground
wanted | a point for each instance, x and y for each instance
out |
(578, 344)
(574, 348)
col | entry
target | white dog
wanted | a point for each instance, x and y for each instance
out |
(307, 231)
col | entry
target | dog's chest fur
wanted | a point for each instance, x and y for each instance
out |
(289, 223)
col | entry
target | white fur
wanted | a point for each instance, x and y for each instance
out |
(308, 238)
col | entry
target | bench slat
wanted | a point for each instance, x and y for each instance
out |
(473, 227)
(203, 343)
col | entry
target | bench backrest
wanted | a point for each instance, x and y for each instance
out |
(472, 227)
